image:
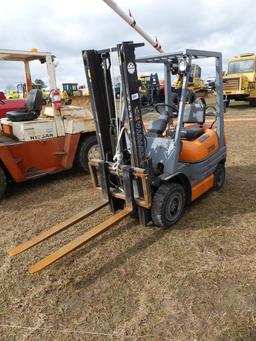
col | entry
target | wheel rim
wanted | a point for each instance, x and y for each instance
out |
(94, 152)
(174, 206)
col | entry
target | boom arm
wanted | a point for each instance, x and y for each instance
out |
(131, 21)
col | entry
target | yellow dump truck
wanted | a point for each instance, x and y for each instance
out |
(240, 82)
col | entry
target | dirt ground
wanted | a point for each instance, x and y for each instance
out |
(196, 281)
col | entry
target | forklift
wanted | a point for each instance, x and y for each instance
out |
(151, 91)
(37, 140)
(151, 174)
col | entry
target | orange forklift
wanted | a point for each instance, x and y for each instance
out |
(36, 140)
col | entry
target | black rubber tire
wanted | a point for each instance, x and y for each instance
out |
(144, 100)
(163, 201)
(227, 103)
(191, 97)
(219, 176)
(252, 103)
(3, 183)
(175, 98)
(82, 152)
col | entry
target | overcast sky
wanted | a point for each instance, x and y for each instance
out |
(66, 28)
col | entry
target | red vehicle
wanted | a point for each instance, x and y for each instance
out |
(9, 104)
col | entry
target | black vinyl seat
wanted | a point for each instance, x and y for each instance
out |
(188, 133)
(33, 104)
(193, 113)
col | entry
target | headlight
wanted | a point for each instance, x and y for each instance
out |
(183, 66)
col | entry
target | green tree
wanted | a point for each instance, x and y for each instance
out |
(40, 82)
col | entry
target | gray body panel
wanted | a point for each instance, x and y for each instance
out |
(163, 150)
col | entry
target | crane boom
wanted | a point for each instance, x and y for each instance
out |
(131, 21)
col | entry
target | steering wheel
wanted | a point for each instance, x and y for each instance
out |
(171, 106)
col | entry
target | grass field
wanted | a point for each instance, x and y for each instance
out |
(194, 282)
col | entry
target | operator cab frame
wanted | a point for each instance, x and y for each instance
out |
(190, 116)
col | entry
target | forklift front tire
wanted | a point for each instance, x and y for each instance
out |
(88, 148)
(3, 183)
(168, 204)
(219, 176)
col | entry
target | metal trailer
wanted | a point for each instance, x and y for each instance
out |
(152, 174)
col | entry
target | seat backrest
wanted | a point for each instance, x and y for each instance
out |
(34, 100)
(159, 125)
(194, 113)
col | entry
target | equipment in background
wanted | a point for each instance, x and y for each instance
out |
(151, 91)
(35, 140)
(196, 84)
(154, 173)
(9, 104)
(22, 91)
(71, 94)
(210, 83)
(240, 81)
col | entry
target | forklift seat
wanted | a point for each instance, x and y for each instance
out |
(188, 133)
(193, 113)
(33, 106)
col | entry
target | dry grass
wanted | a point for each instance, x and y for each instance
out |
(194, 282)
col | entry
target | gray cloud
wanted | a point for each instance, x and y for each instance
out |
(65, 30)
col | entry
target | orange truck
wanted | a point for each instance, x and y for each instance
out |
(35, 140)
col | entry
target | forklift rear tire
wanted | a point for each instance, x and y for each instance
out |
(219, 176)
(227, 102)
(3, 183)
(85, 152)
(168, 204)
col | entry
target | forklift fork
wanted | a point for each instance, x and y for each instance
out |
(74, 244)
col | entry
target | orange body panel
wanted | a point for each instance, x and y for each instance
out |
(35, 158)
(200, 148)
(202, 187)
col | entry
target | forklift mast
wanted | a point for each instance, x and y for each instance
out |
(111, 139)
(130, 84)
(97, 67)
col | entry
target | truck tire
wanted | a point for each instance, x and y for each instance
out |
(227, 102)
(88, 149)
(3, 183)
(175, 98)
(191, 96)
(252, 103)
(168, 204)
